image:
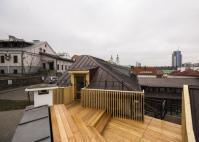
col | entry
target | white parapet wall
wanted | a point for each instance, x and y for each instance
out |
(43, 99)
(43, 94)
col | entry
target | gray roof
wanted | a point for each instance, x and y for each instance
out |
(116, 77)
(34, 126)
(167, 82)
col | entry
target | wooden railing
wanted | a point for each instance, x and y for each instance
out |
(187, 127)
(122, 104)
(63, 95)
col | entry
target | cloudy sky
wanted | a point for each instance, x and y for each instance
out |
(138, 30)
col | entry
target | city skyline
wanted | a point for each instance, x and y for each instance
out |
(143, 31)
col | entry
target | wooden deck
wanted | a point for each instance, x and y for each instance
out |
(75, 123)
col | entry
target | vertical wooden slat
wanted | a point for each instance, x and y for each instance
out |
(122, 104)
(114, 96)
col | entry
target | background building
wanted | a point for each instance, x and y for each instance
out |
(147, 71)
(176, 59)
(18, 56)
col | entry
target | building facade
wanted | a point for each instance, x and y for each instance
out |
(177, 59)
(18, 56)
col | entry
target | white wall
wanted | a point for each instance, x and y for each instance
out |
(64, 63)
(11, 61)
(185, 68)
(151, 76)
(44, 99)
(40, 47)
(32, 60)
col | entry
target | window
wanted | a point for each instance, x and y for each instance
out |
(15, 59)
(2, 71)
(44, 66)
(57, 66)
(43, 92)
(62, 67)
(44, 50)
(162, 90)
(15, 71)
(178, 90)
(2, 59)
(40, 49)
(66, 67)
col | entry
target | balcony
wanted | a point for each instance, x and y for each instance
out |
(121, 104)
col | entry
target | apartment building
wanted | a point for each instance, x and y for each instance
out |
(18, 56)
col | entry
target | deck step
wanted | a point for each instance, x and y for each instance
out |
(101, 125)
(72, 104)
(95, 118)
(89, 133)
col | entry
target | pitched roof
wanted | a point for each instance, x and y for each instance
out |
(167, 82)
(194, 101)
(34, 126)
(115, 76)
(55, 56)
(188, 72)
(75, 57)
(146, 71)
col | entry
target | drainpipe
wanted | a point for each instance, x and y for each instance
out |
(22, 64)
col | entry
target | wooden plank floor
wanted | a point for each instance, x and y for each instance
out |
(151, 130)
(75, 123)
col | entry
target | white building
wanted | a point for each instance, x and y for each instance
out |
(21, 57)
(42, 93)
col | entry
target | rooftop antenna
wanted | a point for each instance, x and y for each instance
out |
(111, 59)
(117, 60)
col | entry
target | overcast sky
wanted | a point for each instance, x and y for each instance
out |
(138, 30)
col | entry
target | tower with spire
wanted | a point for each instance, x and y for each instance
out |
(117, 60)
(111, 59)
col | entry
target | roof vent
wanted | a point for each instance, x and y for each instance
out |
(36, 41)
(13, 38)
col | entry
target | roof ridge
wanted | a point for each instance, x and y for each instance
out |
(111, 73)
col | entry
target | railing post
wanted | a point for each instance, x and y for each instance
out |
(105, 84)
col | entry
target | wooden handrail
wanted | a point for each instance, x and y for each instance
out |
(187, 125)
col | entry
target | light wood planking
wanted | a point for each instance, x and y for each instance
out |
(63, 95)
(151, 130)
(88, 124)
(187, 125)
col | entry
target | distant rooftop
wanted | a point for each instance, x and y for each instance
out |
(146, 70)
(14, 42)
(188, 72)
(167, 82)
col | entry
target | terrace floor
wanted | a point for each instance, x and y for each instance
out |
(75, 123)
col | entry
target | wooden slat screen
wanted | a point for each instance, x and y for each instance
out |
(62, 95)
(122, 104)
